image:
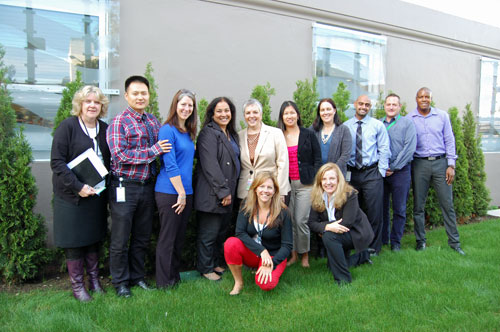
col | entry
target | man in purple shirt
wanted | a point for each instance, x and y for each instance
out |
(434, 160)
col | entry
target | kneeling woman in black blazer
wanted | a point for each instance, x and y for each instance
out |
(335, 214)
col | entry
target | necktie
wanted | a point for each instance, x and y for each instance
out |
(359, 146)
(151, 139)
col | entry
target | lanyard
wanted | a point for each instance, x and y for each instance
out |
(261, 230)
(96, 144)
(392, 124)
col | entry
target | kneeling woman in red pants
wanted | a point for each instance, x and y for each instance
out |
(264, 237)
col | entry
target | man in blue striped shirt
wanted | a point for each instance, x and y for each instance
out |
(368, 165)
(397, 181)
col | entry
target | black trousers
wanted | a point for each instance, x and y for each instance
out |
(131, 221)
(338, 249)
(212, 232)
(171, 238)
(370, 186)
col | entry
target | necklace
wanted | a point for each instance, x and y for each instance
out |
(326, 137)
(252, 140)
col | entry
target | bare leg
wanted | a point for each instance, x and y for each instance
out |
(238, 278)
(293, 259)
(305, 259)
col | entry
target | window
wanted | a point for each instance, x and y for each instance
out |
(46, 43)
(489, 105)
(353, 57)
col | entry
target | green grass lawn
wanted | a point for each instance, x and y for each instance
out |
(434, 290)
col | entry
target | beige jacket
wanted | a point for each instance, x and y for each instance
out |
(271, 154)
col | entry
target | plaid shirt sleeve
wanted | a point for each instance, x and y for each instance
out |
(129, 146)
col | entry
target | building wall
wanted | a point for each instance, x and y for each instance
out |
(227, 47)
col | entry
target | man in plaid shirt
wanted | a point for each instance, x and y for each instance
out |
(132, 138)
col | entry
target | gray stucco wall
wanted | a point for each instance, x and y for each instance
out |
(215, 50)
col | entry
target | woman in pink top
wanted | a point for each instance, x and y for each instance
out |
(304, 155)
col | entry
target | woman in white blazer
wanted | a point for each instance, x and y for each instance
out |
(263, 148)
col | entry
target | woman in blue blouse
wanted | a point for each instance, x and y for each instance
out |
(174, 190)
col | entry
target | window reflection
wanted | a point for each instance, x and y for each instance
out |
(353, 57)
(489, 105)
(44, 49)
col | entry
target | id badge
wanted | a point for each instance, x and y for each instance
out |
(120, 194)
(348, 176)
(249, 183)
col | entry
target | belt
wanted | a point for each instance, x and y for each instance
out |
(364, 168)
(432, 158)
(116, 180)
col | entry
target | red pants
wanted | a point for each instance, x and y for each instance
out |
(236, 253)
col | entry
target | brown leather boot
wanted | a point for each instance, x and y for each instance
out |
(75, 270)
(92, 265)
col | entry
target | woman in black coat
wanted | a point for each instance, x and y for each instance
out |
(336, 216)
(80, 211)
(304, 157)
(216, 176)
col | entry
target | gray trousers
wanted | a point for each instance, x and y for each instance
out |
(300, 205)
(423, 173)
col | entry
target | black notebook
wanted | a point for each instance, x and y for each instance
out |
(89, 169)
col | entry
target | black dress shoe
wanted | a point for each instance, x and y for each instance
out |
(420, 246)
(123, 291)
(143, 285)
(459, 250)
(395, 247)
(372, 252)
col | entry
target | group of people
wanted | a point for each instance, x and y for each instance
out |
(283, 182)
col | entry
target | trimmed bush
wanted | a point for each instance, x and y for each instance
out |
(341, 97)
(306, 97)
(153, 106)
(22, 243)
(462, 192)
(202, 110)
(263, 94)
(66, 105)
(472, 141)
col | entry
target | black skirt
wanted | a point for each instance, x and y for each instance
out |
(80, 225)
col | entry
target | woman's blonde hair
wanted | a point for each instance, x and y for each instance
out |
(343, 188)
(251, 203)
(83, 93)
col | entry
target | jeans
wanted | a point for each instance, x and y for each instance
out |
(397, 187)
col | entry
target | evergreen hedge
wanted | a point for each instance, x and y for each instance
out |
(462, 192)
(263, 94)
(472, 141)
(22, 242)
(342, 97)
(65, 106)
(306, 97)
